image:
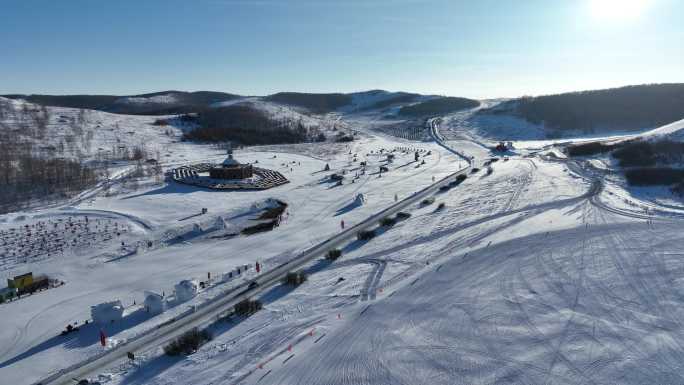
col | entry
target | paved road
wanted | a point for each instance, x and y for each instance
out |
(196, 317)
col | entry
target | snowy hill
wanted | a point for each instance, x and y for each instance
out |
(349, 103)
(87, 134)
(158, 103)
(175, 102)
(630, 108)
(379, 99)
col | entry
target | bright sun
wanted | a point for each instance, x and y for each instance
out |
(617, 9)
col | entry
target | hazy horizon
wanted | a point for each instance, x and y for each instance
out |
(484, 49)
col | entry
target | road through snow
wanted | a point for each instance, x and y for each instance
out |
(207, 314)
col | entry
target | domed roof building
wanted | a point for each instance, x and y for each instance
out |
(230, 161)
(231, 169)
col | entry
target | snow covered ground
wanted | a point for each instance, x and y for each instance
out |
(490, 129)
(160, 214)
(496, 287)
(541, 272)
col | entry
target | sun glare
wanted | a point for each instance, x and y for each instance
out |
(617, 9)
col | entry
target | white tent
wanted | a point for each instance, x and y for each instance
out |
(107, 312)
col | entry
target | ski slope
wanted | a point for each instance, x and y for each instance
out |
(562, 293)
(533, 281)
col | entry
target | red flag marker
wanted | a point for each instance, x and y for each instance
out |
(289, 348)
(103, 338)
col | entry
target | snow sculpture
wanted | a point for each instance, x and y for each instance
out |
(107, 312)
(186, 290)
(154, 303)
(220, 223)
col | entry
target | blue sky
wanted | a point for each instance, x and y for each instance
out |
(478, 48)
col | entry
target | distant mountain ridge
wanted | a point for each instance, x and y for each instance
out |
(438, 106)
(177, 102)
(157, 103)
(317, 103)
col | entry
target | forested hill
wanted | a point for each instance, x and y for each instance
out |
(158, 103)
(438, 106)
(248, 125)
(317, 103)
(178, 102)
(625, 108)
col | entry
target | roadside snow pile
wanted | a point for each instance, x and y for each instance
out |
(107, 312)
(186, 290)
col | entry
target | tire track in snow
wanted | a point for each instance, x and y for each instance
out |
(515, 303)
(524, 183)
(579, 287)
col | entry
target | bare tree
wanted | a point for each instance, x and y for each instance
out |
(88, 143)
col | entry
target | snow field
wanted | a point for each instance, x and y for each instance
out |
(405, 254)
(314, 204)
